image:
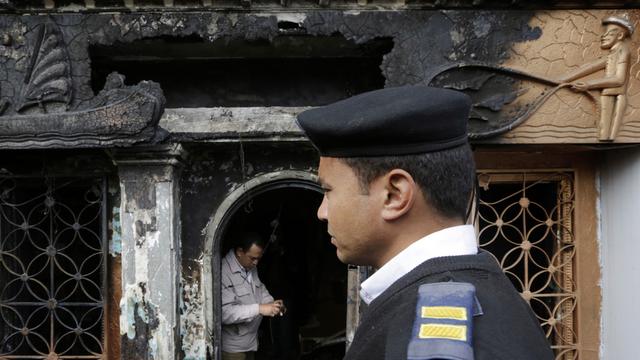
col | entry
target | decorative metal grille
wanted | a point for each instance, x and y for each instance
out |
(52, 268)
(526, 222)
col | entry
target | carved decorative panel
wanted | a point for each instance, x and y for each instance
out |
(526, 222)
(41, 110)
(575, 81)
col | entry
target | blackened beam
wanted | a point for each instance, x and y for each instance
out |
(222, 124)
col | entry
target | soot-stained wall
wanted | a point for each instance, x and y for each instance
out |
(215, 171)
(423, 41)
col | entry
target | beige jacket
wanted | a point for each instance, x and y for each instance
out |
(241, 296)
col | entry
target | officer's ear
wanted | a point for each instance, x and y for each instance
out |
(400, 191)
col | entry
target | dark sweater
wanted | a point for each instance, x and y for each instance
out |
(507, 330)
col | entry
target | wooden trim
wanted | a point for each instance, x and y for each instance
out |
(112, 308)
(588, 277)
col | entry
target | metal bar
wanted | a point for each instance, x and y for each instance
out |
(105, 268)
(51, 272)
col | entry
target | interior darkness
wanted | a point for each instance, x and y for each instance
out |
(544, 194)
(300, 267)
(288, 71)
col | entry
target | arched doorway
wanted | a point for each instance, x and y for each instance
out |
(299, 266)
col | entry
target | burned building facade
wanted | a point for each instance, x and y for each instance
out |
(138, 137)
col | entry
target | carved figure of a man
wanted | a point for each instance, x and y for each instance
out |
(613, 99)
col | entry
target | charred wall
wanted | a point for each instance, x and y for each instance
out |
(422, 41)
(213, 172)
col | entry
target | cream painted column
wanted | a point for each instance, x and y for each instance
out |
(619, 249)
(150, 216)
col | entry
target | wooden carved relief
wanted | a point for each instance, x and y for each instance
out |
(579, 82)
(613, 85)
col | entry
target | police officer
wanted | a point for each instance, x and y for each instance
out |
(398, 173)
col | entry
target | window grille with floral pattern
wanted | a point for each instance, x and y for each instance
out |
(52, 268)
(526, 222)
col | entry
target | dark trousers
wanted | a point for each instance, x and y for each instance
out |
(249, 355)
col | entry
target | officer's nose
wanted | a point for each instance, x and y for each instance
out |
(323, 209)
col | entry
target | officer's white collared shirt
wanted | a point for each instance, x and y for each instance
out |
(453, 241)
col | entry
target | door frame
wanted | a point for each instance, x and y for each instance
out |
(214, 236)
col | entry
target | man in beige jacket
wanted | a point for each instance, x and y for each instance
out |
(245, 300)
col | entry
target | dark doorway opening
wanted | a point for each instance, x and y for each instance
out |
(299, 266)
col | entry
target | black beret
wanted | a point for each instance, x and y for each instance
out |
(392, 121)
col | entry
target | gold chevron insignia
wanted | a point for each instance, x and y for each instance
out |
(444, 312)
(442, 331)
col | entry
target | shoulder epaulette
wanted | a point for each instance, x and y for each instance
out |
(443, 325)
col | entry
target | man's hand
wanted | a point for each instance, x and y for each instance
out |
(283, 309)
(271, 309)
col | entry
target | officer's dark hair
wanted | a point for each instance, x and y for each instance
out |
(446, 177)
(246, 239)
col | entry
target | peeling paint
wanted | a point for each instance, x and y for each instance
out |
(138, 314)
(192, 324)
(297, 18)
(115, 243)
(481, 27)
(72, 8)
(132, 298)
(159, 343)
(140, 250)
(456, 36)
